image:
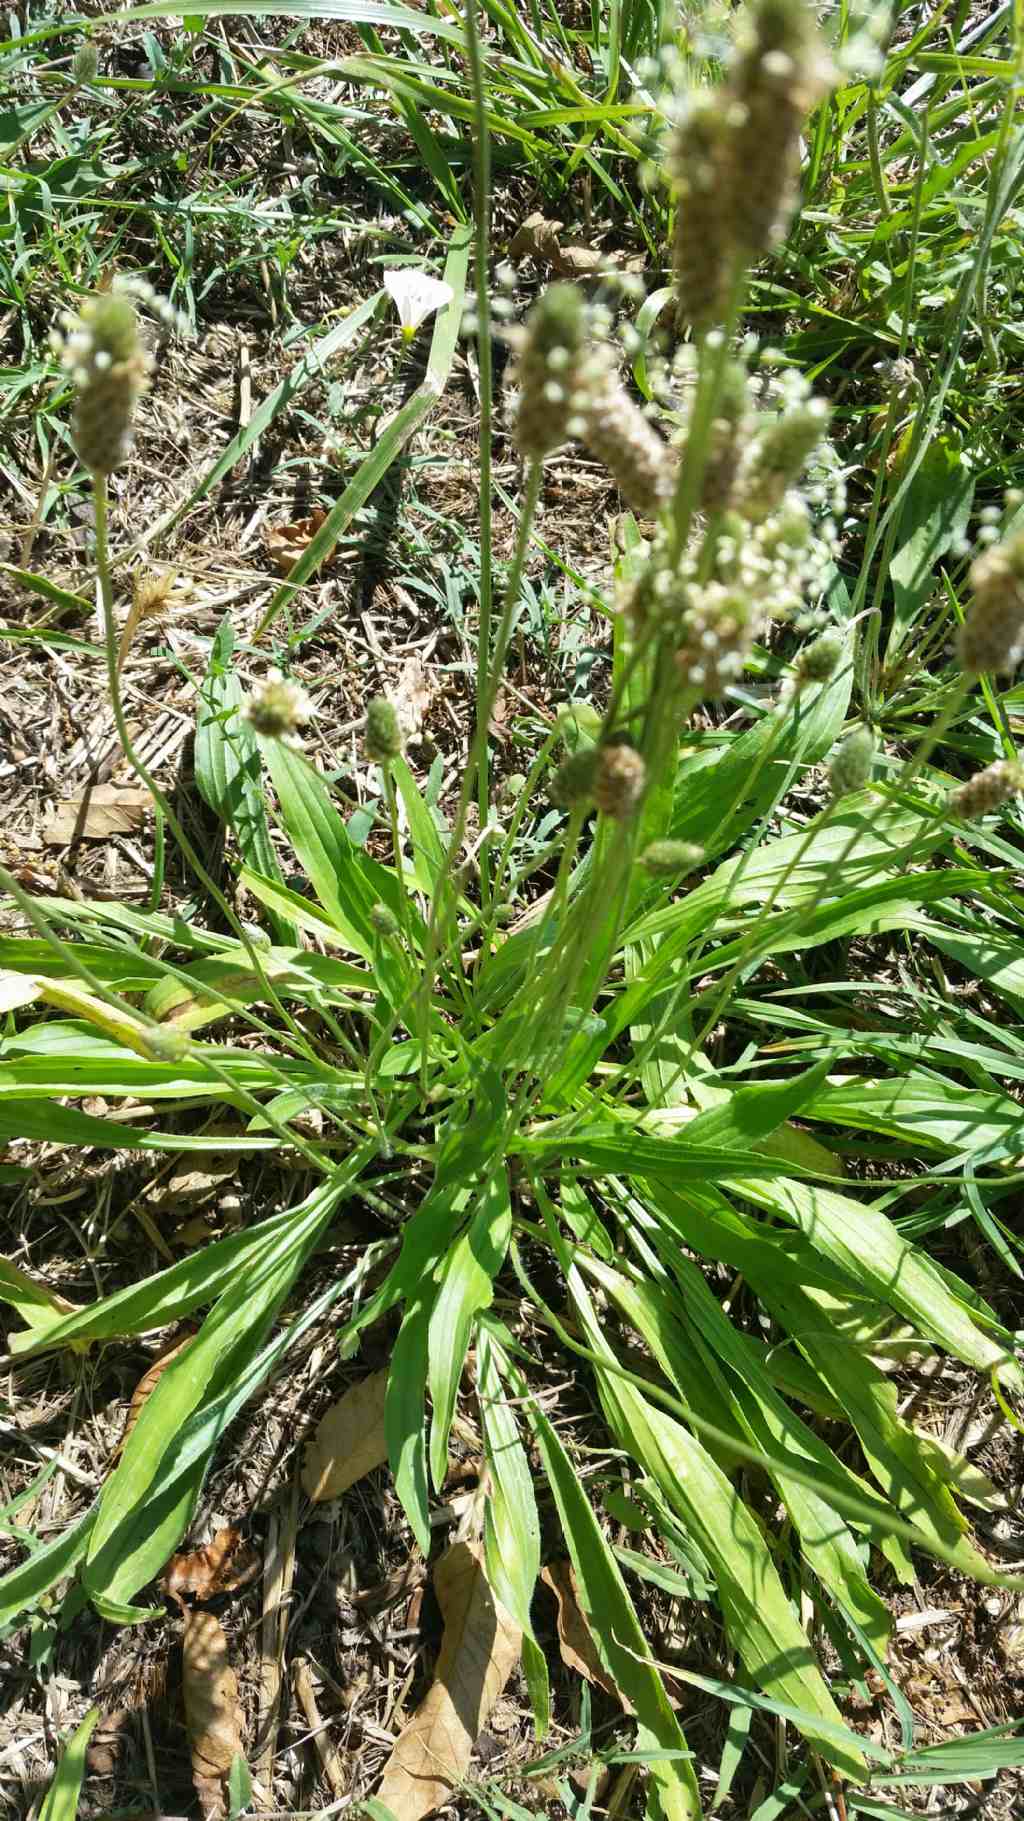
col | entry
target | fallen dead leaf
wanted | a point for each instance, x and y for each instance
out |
(106, 1747)
(349, 1440)
(402, 1582)
(105, 809)
(575, 1641)
(147, 1385)
(213, 1716)
(479, 1651)
(223, 1565)
(539, 238)
(187, 1185)
(286, 543)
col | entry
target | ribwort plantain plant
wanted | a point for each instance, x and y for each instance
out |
(585, 1086)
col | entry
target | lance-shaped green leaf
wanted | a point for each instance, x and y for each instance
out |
(61, 1800)
(511, 1523)
(694, 1341)
(618, 1638)
(758, 1616)
(465, 1288)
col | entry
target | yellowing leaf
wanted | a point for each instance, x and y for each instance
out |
(349, 1440)
(68, 996)
(17, 990)
(35, 1302)
(212, 1712)
(478, 1654)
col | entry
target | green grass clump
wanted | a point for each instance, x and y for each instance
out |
(608, 1037)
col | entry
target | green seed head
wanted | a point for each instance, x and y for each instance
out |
(384, 921)
(110, 367)
(852, 762)
(548, 371)
(85, 63)
(572, 785)
(818, 662)
(671, 859)
(779, 457)
(382, 734)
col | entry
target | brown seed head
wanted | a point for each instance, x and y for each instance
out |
(619, 781)
(617, 432)
(781, 71)
(992, 635)
(987, 790)
(702, 247)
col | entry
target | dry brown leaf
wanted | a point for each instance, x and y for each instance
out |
(479, 1651)
(105, 809)
(402, 1582)
(349, 1440)
(147, 1385)
(213, 1715)
(536, 238)
(575, 1642)
(188, 1185)
(106, 1747)
(286, 543)
(220, 1566)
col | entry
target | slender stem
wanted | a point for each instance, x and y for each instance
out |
(485, 707)
(110, 641)
(396, 853)
(877, 173)
(482, 231)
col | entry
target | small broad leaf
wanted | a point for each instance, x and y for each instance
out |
(239, 1787)
(35, 1302)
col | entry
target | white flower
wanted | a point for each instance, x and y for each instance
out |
(415, 297)
(278, 708)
